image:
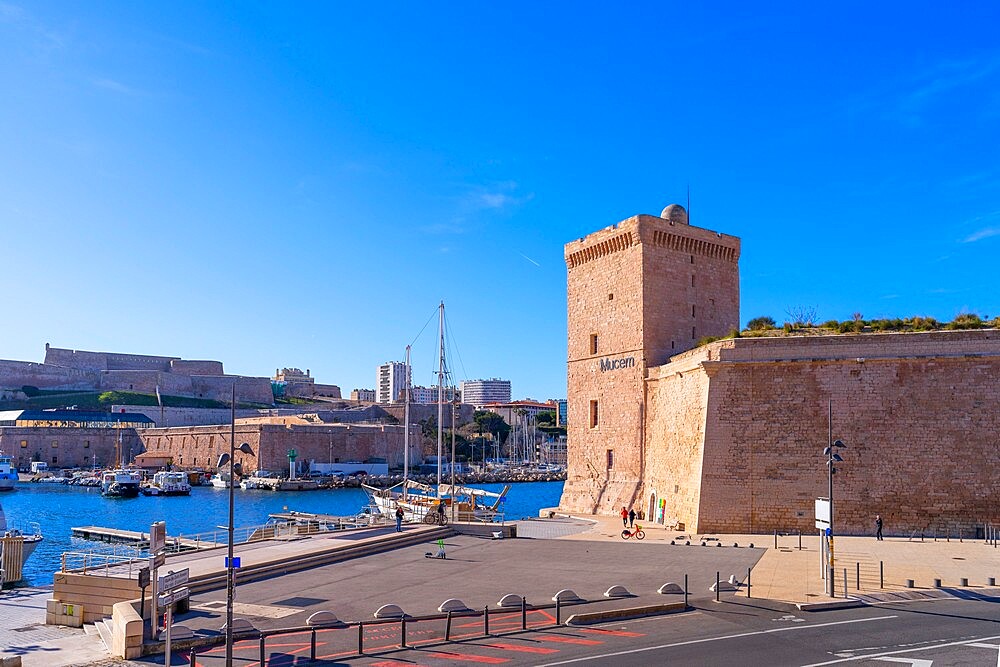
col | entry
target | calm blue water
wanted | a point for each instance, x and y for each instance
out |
(58, 508)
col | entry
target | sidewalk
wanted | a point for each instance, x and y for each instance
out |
(789, 574)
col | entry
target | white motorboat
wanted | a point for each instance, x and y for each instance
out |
(31, 538)
(120, 483)
(168, 483)
(8, 473)
(220, 480)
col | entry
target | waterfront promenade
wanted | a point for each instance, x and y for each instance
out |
(584, 554)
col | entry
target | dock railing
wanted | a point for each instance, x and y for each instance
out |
(97, 564)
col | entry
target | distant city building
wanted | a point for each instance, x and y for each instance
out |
(390, 382)
(514, 410)
(363, 395)
(430, 394)
(561, 410)
(481, 392)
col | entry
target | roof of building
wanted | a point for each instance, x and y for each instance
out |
(73, 416)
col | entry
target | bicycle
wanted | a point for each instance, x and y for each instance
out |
(637, 533)
(436, 518)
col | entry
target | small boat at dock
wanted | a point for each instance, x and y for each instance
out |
(168, 483)
(16, 546)
(8, 473)
(120, 483)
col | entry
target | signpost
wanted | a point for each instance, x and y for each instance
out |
(157, 545)
(170, 595)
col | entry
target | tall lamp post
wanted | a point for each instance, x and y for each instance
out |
(832, 458)
(234, 469)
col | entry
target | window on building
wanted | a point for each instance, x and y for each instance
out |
(692, 259)
(611, 297)
(55, 444)
(671, 345)
(86, 444)
(692, 310)
(55, 459)
(593, 343)
(593, 414)
(611, 459)
(692, 280)
(692, 333)
(24, 444)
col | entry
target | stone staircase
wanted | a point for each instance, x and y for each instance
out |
(101, 628)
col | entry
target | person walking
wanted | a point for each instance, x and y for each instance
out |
(440, 511)
(624, 517)
(399, 519)
(631, 518)
(878, 527)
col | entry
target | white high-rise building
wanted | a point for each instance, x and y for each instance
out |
(391, 382)
(430, 394)
(481, 392)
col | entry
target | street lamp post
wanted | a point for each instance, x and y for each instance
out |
(832, 457)
(234, 469)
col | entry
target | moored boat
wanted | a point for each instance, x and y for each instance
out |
(8, 473)
(168, 483)
(120, 483)
(29, 540)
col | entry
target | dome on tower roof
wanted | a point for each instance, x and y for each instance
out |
(675, 213)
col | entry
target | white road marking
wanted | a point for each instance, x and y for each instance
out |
(916, 662)
(722, 638)
(873, 656)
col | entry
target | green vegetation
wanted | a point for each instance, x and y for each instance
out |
(798, 325)
(293, 400)
(102, 401)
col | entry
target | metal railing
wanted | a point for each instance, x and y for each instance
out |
(107, 565)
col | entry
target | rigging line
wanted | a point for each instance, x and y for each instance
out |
(451, 338)
(425, 325)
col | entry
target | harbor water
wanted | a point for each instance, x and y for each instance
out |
(58, 508)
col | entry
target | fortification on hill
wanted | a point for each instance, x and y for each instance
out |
(729, 436)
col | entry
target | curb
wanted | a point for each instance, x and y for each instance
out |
(626, 614)
(833, 604)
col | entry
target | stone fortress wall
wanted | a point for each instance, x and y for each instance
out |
(729, 437)
(106, 371)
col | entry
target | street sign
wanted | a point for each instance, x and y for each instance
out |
(157, 536)
(168, 599)
(157, 561)
(828, 532)
(822, 513)
(236, 561)
(173, 580)
(143, 577)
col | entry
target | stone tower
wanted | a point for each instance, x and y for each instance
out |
(637, 292)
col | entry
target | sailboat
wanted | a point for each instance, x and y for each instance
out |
(120, 482)
(422, 502)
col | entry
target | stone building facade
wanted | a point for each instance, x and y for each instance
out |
(728, 437)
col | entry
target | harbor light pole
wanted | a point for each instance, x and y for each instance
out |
(832, 458)
(230, 458)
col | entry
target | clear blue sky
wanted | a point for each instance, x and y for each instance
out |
(293, 184)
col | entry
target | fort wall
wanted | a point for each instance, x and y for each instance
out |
(191, 367)
(16, 374)
(918, 412)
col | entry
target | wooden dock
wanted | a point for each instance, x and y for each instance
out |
(139, 539)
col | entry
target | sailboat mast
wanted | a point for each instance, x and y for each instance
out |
(406, 425)
(440, 391)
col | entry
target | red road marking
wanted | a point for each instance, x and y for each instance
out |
(467, 657)
(570, 640)
(521, 648)
(393, 663)
(616, 633)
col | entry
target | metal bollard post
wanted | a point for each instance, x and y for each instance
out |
(748, 582)
(881, 575)
(447, 628)
(857, 576)
(845, 583)
(263, 658)
(402, 632)
(800, 539)
(486, 620)
(524, 613)
(361, 638)
(558, 612)
(776, 538)
(193, 662)
(717, 578)
(685, 591)
(312, 646)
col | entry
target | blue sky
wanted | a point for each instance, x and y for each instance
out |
(299, 184)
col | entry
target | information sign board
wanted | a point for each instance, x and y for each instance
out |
(167, 599)
(822, 513)
(173, 579)
(157, 536)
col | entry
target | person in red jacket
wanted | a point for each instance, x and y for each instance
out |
(624, 518)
